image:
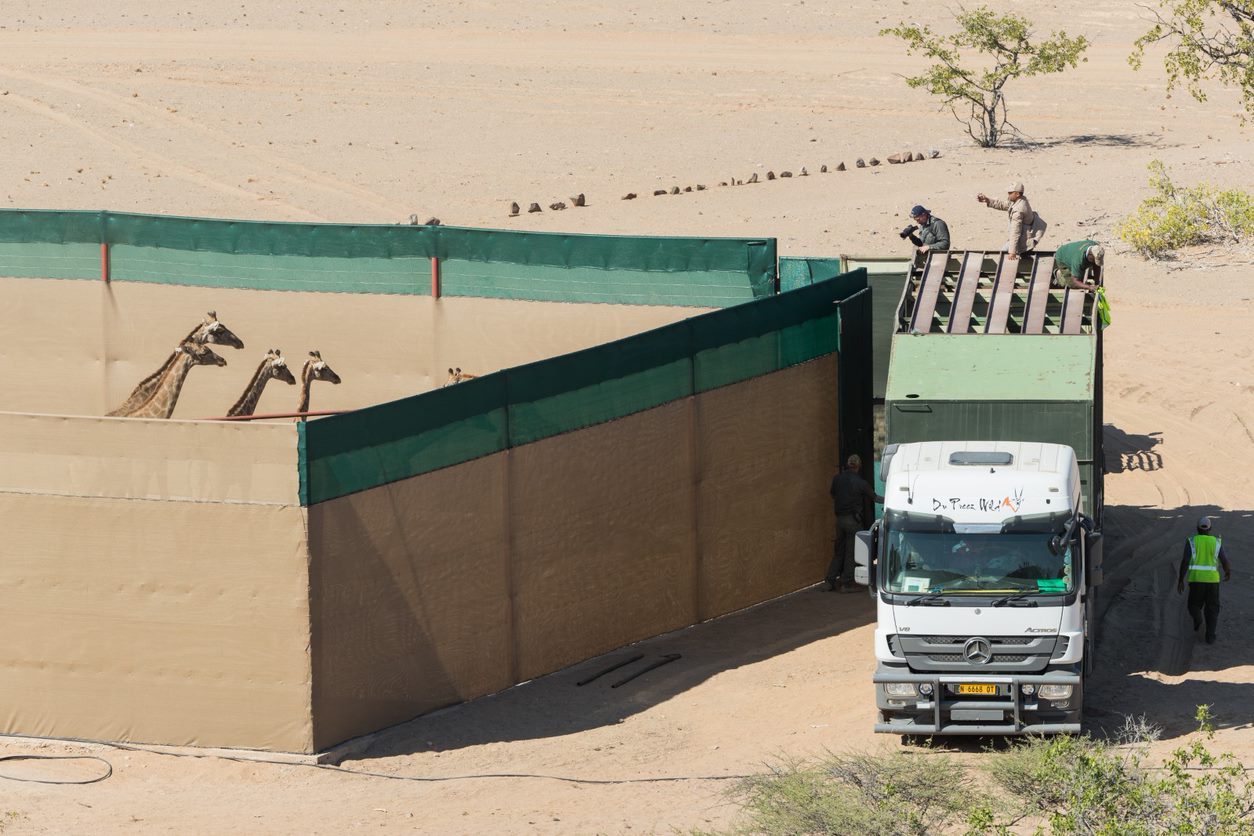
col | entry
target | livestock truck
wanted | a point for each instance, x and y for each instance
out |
(987, 558)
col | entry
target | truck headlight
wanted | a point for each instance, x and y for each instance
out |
(1028, 689)
(925, 688)
(1055, 692)
(899, 689)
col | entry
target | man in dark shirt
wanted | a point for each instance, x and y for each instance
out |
(854, 504)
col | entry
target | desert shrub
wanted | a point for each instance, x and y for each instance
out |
(1176, 216)
(1073, 785)
(1080, 785)
(897, 794)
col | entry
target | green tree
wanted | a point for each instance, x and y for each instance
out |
(974, 65)
(1208, 39)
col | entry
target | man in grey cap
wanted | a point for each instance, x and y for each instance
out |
(1026, 227)
(1079, 264)
(933, 233)
(1203, 557)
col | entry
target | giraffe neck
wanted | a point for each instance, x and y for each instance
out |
(306, 381)
(143, 391)
(161, 404)
(247, 403)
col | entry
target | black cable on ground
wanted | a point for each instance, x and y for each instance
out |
(437, 778)
(108, 768)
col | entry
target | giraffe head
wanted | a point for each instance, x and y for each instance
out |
(276, 367)
(201, 354)
(317, 369)
(213, 331)
(456, 375)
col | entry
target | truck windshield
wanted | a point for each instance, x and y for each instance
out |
(931, 561)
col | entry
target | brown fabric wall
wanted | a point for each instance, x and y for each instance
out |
(768, 449)
(145, 458)
(461, 582)
(601, 537)
(410, 598)
(80, 347)
(152, 619)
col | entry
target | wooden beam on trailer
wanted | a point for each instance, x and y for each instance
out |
(929, 289)
(964, 293)
(1003, 290)
(1038, 294)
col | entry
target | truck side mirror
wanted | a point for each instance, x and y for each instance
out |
(1093, 557)
(863, 549)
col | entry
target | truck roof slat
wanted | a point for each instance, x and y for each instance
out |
(1038, 294)
(1072, 310)
(964, 294)
(929, 290)
(1003, 290)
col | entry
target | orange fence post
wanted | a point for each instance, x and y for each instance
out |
(104, 262)
(435, 277)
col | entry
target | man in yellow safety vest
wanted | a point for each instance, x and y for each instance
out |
(1203, 557)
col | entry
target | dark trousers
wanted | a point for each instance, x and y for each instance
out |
(1204, 599)
(841, 567)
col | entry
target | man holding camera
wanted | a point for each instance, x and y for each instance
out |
(932, 233)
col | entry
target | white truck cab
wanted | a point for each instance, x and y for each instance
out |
(983, 566)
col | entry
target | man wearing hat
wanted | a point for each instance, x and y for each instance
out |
(933, 233)
(1026, 227)
(1079, 264)
(1203, 557)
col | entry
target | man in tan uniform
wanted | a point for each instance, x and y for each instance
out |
(1026, 227)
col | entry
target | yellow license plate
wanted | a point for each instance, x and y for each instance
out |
(973, 688)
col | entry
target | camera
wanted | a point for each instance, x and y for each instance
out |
(908, 231)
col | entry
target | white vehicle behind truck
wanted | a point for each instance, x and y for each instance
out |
(982, 565)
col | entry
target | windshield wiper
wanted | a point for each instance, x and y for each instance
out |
(1016, 597)
(932, 599)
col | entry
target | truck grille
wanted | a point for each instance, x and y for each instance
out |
(1017, 654)
(998, 658)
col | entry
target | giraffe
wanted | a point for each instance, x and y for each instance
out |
(208, 331)
(161, 403)
(457, 376)
(315, 369)
(272, 366)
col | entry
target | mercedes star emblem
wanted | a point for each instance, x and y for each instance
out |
(977, 651)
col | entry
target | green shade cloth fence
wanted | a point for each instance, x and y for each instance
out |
(886, 276)
(388, 259)
(355, 451)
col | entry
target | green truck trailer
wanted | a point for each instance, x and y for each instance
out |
(986, 349)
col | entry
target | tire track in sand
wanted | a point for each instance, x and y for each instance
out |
(137, 152)
(292, 172)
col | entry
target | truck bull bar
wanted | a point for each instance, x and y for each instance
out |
(1016, 702)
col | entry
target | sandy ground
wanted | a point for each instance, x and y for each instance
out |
(368, 112)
